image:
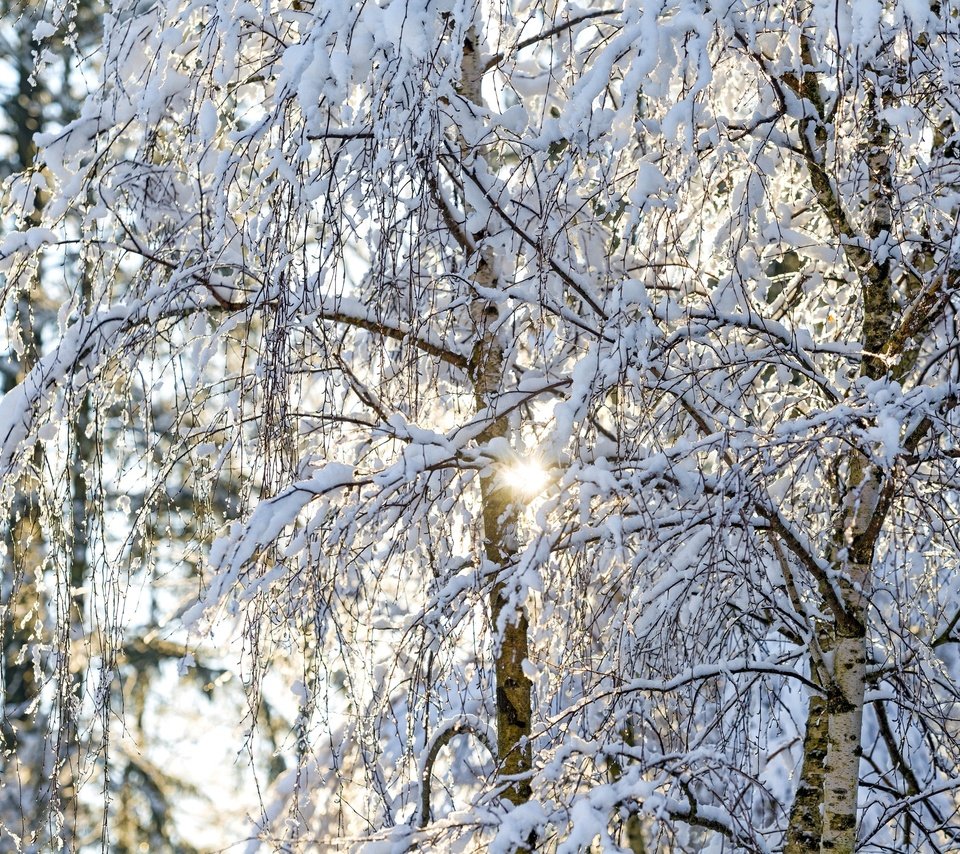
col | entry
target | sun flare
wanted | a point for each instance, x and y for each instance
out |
(526, 477)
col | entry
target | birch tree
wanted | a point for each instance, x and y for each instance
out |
(592, 374)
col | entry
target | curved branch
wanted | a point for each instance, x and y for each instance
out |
(444, 734)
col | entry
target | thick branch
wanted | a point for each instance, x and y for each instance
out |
(819, 572)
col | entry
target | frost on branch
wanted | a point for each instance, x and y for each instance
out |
(699, 262)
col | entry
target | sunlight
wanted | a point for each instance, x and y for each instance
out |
(526, 477)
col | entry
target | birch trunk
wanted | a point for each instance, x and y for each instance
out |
(866, 500)
(509, 621)
(806, 824)
(832, 745)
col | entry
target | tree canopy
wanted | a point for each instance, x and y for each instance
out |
(579, 385)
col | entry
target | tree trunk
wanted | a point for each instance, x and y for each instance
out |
(868, 497)
(806, 824)
(829, 775)
(513, 688)
(842, 764)
(832, 745)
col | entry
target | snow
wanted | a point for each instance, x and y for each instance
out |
(29, 239)
(207, 121)
(281, 214)
(232, 554)
(43, 30)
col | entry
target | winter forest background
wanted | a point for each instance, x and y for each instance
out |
(504, 425)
